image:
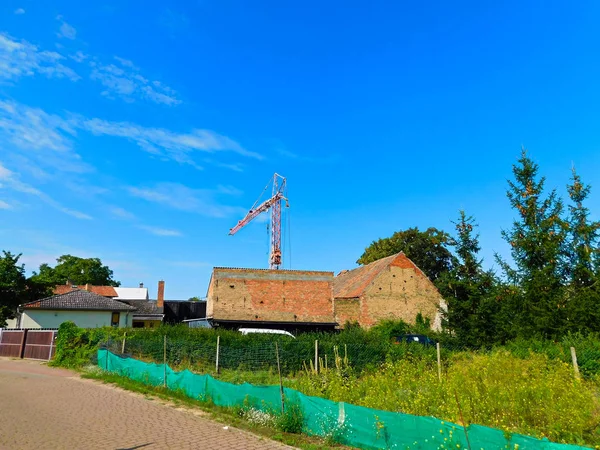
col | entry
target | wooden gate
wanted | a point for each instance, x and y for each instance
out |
(11, 343)
(39, 344)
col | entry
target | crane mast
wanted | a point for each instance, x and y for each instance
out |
(278, 194)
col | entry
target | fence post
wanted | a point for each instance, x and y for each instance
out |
(123, 346)
(217, 357)
(439, 361)
(316, 356)
(462, 419)
(575, 365)
(280, 380)
(165, 362)
(54, 333)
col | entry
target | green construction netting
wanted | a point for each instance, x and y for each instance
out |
(348, 424)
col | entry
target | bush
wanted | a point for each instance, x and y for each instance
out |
(75, 347)
(292, 419)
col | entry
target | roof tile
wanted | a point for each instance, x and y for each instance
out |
(105, 291)
(353, 283)
(81, 300)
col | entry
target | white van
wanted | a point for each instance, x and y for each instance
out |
(246, 331)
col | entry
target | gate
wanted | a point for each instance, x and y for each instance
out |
(39, 344)
(11, 343)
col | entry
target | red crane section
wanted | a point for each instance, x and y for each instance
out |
(278, 194)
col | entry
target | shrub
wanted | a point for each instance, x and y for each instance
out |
(291, 420)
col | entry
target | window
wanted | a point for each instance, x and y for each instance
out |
(114, 321)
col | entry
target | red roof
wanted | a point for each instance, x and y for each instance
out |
(353, 283)
(105, 291)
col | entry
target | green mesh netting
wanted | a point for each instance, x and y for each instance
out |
(352, 425)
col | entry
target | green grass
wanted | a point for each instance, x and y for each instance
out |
(536, 396)
(228, 416)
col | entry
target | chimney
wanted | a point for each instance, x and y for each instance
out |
(141, 285)
(88, 287)
(160, 297)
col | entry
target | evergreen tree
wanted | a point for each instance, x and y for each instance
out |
(468, 289)
(583, 295)
(583, 235)
(537, 239)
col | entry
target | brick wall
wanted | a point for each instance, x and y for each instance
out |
(399, 292)
(271, 295)
(347, 310)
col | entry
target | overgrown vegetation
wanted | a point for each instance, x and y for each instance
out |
(550, 285)
(525, 386)
(536, 396)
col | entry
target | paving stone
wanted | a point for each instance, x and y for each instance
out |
(47, 408)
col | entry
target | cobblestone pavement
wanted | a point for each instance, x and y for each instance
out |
(45, 408)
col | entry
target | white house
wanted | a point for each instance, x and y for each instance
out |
(85, 309)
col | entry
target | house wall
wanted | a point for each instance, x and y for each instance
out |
(209, 294)
(347, 310)
(399, 292)
(147, 323)
(83, 319)
(11, 323)
(271, 295)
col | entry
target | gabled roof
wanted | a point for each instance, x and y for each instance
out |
(105, 291)
(79, 300)
(145, 307)
(353, 283)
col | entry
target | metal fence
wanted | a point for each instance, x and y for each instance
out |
(212, 356)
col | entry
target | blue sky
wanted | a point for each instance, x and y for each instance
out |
(140, 132)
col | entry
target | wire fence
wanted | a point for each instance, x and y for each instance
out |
(314, 356)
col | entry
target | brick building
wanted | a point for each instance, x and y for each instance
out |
(390, 288)
(285, 299)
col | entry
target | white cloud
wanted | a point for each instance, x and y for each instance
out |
(43, 137)
(48, 139)
(121, 213)
(66, 31)
(124, 81)
(175, 146)
(125, 62)
(21, 58)
(160, 231)
(11, 180)
(4, 205)
(79, 56)
(181, 197)
(127, 83)
(19, 11)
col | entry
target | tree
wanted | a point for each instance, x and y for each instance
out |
(76, 270)
(194, 299)
(583, 294)
(537, 239)
(13, 285)
(468, 289)
(425, 248)
(583, 248)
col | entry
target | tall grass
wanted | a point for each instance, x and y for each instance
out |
(536, 396)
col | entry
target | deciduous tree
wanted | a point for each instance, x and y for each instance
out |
(427, 249)
(77, 270)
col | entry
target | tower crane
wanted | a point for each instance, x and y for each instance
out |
(278, 195)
